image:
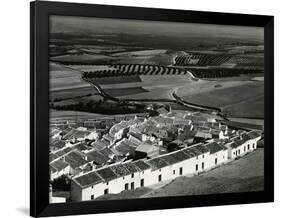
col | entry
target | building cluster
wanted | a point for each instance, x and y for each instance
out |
(112, 155)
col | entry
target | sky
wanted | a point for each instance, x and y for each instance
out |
(92, 25)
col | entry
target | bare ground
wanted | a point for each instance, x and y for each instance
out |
(242, 175)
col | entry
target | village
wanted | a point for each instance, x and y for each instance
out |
(111, 154)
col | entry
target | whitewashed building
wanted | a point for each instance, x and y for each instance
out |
(117, 178)
(113, 179)
(188, 161)
(243, 144)
(218, 154)
(58, 168)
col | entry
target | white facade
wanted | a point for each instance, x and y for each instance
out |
(56, 174)
(198, 159)
(117, 185)
(243, 148)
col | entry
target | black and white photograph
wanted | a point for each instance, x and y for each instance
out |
(148, 109)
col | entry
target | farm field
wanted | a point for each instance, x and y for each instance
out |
(72, 93)
(226, 93)
(242, 100)
(72, 114)
(156, 86)
(117, 80)
(62, 77)
(238, 176)
(90, 67)
(248, 108)
(125, 91)
(247, 120)
(82, 58)
(121, 55)
(152, 56)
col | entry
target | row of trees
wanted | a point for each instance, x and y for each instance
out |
(201, 59)
(218, 73)
(139, 69)
(134, 69)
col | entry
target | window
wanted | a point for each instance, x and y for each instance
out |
(92, 197)
(105, 191)
(174, 172)
(107, 183)
(142, 172)
(123, 177)
(132, 185)
(196, 157)
(253, 145)
(202, 165)
(159, 170)
(92, 186)
(159, 178)
(196, 167)
(126, 186)
(244, 148)
(132, 175)
(216, 161)
(248, 146)
(142, 182)
(203, 156)
(181, 170)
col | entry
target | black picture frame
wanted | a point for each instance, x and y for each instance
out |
(39, 110)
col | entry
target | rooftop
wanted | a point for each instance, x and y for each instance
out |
(146, 148)
(214, 147)
(52, 157)
(63, 151)
(75, 159)
(254, 134)
(157, 163)
(74, 133)
(120, 170)
(97, 157)
(88, 179)
(59, 165)
(99, 144)
(142, 165)
(106, 174)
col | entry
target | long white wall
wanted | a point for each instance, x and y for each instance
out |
(190, 167)
(150, 176)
